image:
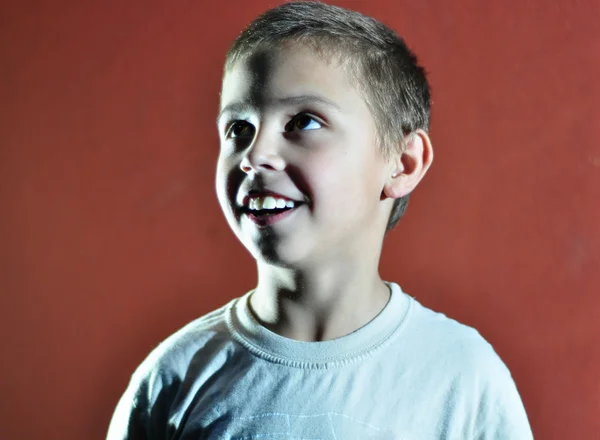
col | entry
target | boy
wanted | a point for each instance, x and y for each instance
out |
(323, 128)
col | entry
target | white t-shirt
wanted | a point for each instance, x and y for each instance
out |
(408, 374)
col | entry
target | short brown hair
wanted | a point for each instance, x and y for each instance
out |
(384, 69)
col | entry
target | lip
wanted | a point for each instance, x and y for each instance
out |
(270, 219)
(246, 199)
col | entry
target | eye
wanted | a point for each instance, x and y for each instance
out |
(239, 129)
(303, 121)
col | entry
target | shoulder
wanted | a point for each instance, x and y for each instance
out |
(172, 357)
(446, 338)
(200, 345)
(476, 381)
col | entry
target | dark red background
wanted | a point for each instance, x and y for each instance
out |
(111, 236)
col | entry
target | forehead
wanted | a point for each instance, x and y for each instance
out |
(288, 71)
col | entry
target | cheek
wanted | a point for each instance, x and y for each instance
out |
(220, 181)
(225, 183)
(336, 190)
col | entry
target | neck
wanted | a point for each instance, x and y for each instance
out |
(320, 302)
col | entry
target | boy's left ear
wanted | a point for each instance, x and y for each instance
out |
(408, 169)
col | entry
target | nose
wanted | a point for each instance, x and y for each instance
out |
(263, 154)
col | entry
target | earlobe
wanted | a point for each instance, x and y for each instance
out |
(396, 186)
(411, 166)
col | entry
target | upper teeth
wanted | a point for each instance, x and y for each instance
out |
(269, 202)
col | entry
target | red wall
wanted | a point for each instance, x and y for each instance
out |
(111, 236)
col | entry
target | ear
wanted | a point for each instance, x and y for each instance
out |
(409, 168)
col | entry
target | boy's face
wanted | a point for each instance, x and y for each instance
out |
(295, 126)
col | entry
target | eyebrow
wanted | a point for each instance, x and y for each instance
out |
(242, 107)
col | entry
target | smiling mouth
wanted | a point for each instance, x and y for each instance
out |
(267, 217)
(268, 212)
(265, 213)
(268, 204)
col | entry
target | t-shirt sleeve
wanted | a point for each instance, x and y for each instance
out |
(500, 412)
(127, 420)
(147, 409)
(143, 410)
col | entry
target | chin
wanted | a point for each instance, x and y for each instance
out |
(278, 254)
